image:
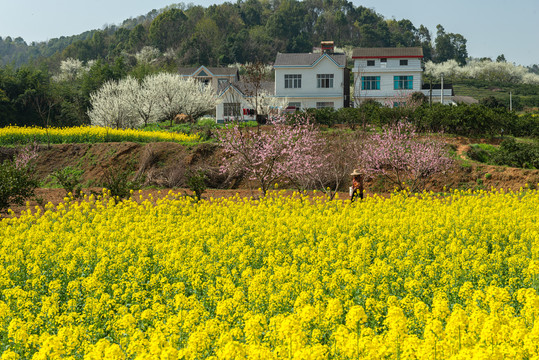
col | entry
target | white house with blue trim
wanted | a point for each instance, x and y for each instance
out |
(387, 75)
(313, 80)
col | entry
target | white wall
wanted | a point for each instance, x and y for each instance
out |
(232, 96)
(309, 93)
(310, 102)
(386, 72)
(392, 65)
(386, 84)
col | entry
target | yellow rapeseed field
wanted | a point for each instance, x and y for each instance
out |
(408, 277)
(86, 134)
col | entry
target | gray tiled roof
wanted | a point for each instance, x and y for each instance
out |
(306, 59)
(387, 52)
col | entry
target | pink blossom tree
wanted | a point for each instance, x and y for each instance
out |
(401, 157)
(278, 152)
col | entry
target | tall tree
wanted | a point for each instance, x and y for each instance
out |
(450, 46)
(168, 30)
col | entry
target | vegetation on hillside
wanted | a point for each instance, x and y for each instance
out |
(241, 32)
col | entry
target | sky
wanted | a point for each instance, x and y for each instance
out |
(491, 27)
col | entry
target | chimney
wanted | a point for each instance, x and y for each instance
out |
(327, 47)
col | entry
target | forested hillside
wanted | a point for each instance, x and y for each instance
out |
(240, 32)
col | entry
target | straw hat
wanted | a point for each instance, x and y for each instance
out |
(356, 172)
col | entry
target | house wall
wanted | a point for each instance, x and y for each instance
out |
(387, 89)
(232, 96)
(309, 93)
(311, 102)
(386, 71)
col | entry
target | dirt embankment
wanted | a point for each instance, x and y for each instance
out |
(166, 165)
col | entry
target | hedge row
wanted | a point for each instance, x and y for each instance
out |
(467, 120)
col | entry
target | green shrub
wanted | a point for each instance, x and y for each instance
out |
(482, 152)
(70, 179)
(120, 181)
(196, 181)
(250, 123)
(207, 123)
(517, 154)
(323, 116)
(525, 125)
(16, 184)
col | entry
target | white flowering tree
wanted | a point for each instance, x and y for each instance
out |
(147, 55)
(267, 104)
(128, 103)
(71, 69)
(198, 98)
(112, 106)
(483, 70)
(146, 102)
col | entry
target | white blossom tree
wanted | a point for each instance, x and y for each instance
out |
(169, 92)
(267, 104)
(198, 98)
(146, 102)
(71, 69)
(128, 103)
(147, 55)
(483, 70)
(111, 105)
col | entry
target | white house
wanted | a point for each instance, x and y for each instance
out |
(313, 80)
(388, 74)
(237, 101)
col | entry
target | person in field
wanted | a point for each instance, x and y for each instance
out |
(356, 190)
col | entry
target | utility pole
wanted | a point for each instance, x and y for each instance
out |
(510, 101)
(442, 89)
(430, 93)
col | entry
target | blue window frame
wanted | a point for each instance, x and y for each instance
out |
(403, 82)
(370, 83)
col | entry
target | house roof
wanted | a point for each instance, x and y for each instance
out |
(400, 52)
(307, 59)
(439, 86)
(465, 99)
(247, 89)
(215, 71)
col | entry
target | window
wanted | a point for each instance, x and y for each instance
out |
(324, 104)
(370, 83)
(370, 62)
(403, 82)
(324, 80)
(205, 81)
(404, 62)
(297, 105)
(384, 60)
(231, 109)
(292, 81)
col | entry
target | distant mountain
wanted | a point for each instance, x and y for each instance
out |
(239, 32)
(17, 52)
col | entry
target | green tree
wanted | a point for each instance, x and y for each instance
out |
(450, 46)
(168, 29)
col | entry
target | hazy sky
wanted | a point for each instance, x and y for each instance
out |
(491, 27)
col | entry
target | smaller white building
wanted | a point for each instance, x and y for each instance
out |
(313, 80)
(388, 75)
(237, 101)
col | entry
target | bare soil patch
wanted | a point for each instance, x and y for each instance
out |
(165, 165)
